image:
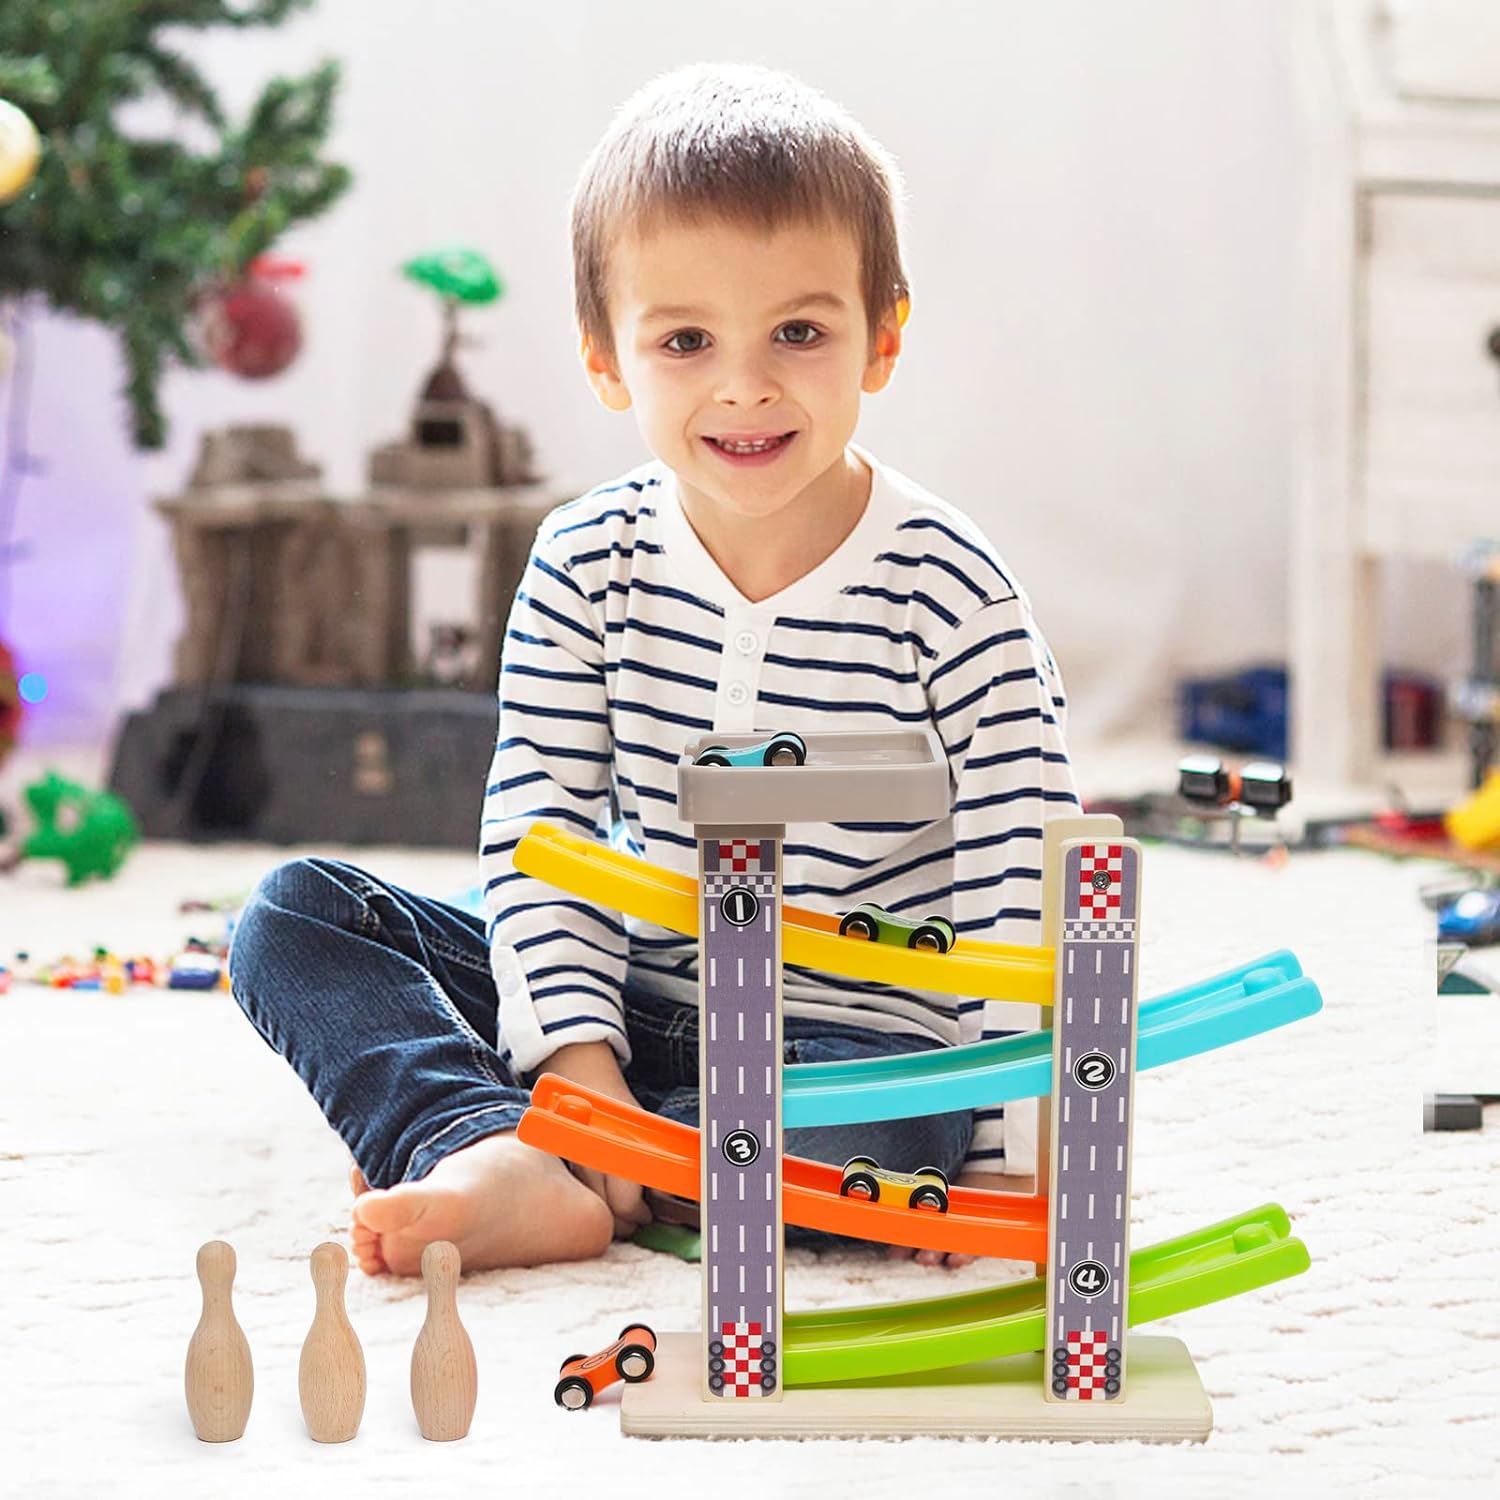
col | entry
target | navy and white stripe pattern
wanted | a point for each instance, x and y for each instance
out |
(626, 638)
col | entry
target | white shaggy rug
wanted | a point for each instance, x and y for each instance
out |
(132, 1129)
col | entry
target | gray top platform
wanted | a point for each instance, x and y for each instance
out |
(858, 776)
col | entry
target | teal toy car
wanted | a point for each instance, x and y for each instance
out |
(876, 925)
(785, 749)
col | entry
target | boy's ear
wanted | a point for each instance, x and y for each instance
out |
(887, 348)
(603, 376)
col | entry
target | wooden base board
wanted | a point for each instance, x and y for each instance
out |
(1164, 1402)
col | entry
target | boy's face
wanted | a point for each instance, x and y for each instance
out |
(755, 347)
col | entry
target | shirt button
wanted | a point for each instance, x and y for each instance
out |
(510, 983)
(736, 693)
(746, 642)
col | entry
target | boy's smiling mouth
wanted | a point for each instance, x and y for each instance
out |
(750, 448)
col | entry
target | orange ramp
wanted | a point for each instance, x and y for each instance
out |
(589, 1128)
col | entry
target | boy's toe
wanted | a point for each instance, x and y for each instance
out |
(385, 1211)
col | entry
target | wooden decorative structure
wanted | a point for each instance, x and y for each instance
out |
(283, 584)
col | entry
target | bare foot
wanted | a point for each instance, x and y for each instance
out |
(501, 1203)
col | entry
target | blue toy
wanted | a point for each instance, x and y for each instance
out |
(785, 749)
(1473, 919)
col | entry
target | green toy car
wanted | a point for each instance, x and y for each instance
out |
(876, 925)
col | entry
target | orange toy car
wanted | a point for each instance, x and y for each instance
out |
(631, 1358)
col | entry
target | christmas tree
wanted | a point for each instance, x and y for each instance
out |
(129, 230)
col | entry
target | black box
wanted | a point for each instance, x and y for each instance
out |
(289, 765)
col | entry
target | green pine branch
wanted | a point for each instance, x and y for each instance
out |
(132, 231)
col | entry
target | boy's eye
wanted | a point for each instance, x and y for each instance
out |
(807, 333)
(683, 333)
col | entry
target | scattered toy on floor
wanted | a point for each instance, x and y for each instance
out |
(631, 1358)
(1473, 919)
(90, 832)
(1475, 822)
(1455, 1111)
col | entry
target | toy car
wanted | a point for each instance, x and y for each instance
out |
(876, 925)
(1262, 785)
(196, 969)
(1473, 919)
(631, 1358)
(785, 749)
(927, 1187)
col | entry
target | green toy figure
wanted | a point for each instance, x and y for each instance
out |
(90, 832)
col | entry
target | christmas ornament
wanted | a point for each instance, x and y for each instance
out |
(10, 702)
(20, 150)
(252, 328)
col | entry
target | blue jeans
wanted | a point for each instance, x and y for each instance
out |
(383, 1002)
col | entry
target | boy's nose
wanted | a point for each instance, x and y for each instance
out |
(748, 384)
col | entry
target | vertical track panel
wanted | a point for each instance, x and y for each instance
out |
(1093, 1063)
(740, 1111)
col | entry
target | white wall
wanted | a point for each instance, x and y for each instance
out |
(1102, 244)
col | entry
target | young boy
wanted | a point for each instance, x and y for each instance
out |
(739, 285)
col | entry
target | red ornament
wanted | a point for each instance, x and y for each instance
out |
(252, 328)
(10, 702)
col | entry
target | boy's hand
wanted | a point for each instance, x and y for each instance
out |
(595, 1065)
(992, 1182)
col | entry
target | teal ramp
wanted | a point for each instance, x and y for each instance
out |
(1241, 1003)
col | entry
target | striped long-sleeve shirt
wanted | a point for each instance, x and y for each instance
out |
(626, 639)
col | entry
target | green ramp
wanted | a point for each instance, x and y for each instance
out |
(848, 1344)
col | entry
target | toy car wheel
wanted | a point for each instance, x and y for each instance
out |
(867, 1162)
(937, 1172)
(569, 1360)
(645, 1328)
(860, 1185)
(786, 750)
(716, 1347)
(931, 937)
(573, 1394)
(929, 1196)
(858, 924)
(634, 1363)
(1202, 778)
(714, 755)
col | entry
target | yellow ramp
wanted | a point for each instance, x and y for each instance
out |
(589, 868)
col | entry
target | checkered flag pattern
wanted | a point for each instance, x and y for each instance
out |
(742, 1358)
(1100, 867)
(1085, 1365)
(1099, 932)
(741, 856)
(716, 885)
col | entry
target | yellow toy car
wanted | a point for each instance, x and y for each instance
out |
(927, 1187)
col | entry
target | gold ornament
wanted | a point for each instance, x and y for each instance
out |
(20, 149)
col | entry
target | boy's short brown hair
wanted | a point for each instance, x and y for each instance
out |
(738, 142)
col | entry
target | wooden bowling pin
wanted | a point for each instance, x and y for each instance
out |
(219, 1378)
(331, 1376)
(444, 1377)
